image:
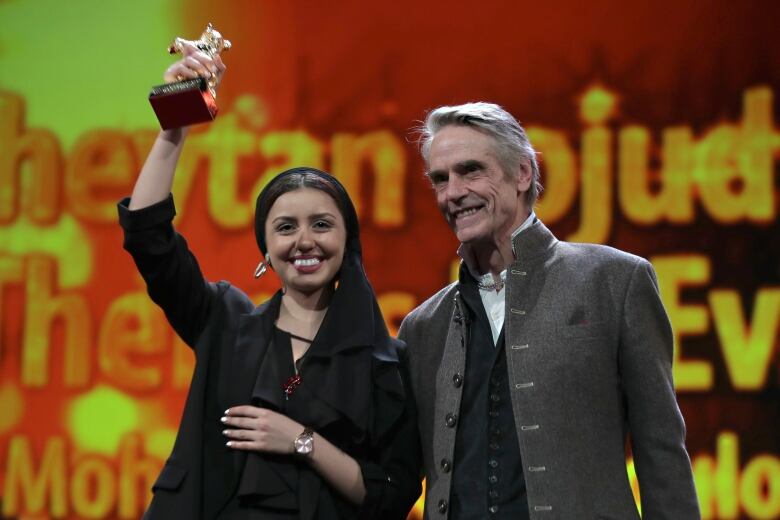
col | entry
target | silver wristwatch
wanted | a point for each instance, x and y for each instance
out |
(304, 443)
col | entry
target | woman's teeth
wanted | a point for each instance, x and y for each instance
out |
(303, 262)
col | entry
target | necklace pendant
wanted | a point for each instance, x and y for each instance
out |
(290, 385)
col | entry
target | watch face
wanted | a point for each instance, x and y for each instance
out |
(304, 444)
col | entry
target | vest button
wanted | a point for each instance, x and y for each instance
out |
(493, 509)
(451, 420)
(442, 506)
(446, 465)
(457, 380)
(493, 463)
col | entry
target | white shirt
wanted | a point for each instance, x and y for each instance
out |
(494, 301)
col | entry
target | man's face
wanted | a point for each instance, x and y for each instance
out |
(477, 198)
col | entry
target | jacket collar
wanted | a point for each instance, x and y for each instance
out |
(535, 242)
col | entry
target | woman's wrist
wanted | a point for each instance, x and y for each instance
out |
(304, 444)
(174, 135)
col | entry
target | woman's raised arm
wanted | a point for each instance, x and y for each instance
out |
(156, 177)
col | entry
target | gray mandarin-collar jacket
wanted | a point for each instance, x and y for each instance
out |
(589, 356)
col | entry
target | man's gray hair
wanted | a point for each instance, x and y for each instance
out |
(513, 146)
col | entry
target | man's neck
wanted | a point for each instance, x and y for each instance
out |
(494, 255)
(492, 258)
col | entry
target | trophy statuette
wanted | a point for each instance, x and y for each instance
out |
(189, 101)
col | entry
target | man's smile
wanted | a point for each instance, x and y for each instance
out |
(464, 213)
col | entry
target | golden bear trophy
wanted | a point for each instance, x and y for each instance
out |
(190, 101)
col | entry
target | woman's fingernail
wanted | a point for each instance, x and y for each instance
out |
(224, 419)
(227, 444)
(227, 412)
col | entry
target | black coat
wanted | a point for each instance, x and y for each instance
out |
(230, 337)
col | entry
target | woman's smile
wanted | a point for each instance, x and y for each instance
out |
(306, 264)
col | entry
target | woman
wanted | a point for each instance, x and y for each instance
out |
(297, 408)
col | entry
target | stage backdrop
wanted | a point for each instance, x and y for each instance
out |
(656, 127)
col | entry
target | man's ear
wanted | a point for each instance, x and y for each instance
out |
(524, 176)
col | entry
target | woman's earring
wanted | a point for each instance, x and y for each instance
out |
(262, 267)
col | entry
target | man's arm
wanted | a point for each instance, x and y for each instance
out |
(656, 425)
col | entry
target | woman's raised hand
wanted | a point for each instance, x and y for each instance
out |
(195, 63)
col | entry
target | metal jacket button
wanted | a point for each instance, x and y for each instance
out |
(446, 465)
(457, 380)
(451, 420)
(458, 318)
(442, 506)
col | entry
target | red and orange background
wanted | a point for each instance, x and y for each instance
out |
(656, 125)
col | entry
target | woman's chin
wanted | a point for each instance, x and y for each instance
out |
(308, 287)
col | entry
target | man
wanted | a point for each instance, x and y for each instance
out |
(531, 371)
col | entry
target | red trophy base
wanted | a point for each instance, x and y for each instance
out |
(183, 103)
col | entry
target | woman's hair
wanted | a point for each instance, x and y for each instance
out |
(512, 144)
(297, 178)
